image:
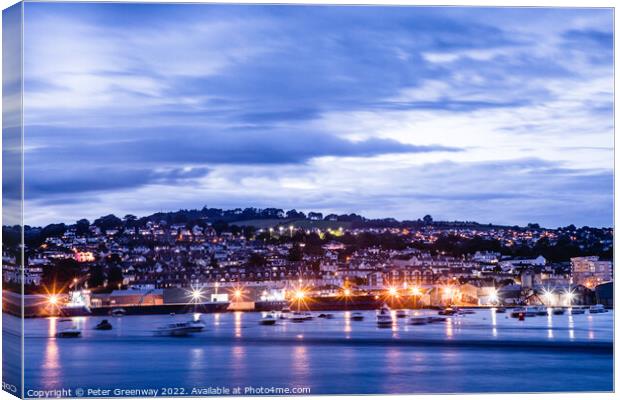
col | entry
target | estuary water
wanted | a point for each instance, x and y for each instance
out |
(482, 352)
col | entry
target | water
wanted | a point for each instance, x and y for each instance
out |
(484, 352)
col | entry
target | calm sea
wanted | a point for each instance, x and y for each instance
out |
(483, 352)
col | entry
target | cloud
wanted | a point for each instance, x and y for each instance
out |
(341, 108)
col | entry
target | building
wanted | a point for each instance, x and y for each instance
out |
(605, 294)
(590, 271)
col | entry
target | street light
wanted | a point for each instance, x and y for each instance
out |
(548, 295)
(493, 297)
(196, 295)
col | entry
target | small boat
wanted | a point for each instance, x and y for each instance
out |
(103, 326)
(196, 325)
(433, 319)
(326, 316)
(308, 316)
(384, 317)
(541, 310)
(177, 329)
(284, 314)
(269, 319)
(118, 312)
(532, 311)
(401, 314)
(518, 312)
(357, 316)
(448, 311)
(419, 320)
(558, 311)
(577, 310)
(500, 310)
(69, 332)
(597, 309)
(297, 316)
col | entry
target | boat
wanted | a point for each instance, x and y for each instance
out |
(196, 325)
(326, 316)
(532, 311)
(558, 311)
(269, 319)
(500, 310)
(297, 316)
(103, 326)
(401, 313)
(69, 332)
(419, 320)
(448, 311)
(118, 312)
(433, 319)
(384, 317)
(523, 311)
(357, 316)
(176, 329)
(597, 309)
(284, 314)
(541, 310)
(308, 316)
(577, 310)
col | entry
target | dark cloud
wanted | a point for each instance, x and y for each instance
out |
(64, 180)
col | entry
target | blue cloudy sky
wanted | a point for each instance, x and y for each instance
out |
(494, 115)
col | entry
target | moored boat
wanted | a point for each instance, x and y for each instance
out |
(103, 325)
(384, 317)
(597, 309)
(269, 319)
(532, 311)
(401, 313)
(419, 320)
(541, 310)
(357, 316)
(558, 311)
(575, 310)
(118, 312)
(285, 313)
(522, 312)
(500, 310)
(70, 331)
(448, 311)
(297, 316)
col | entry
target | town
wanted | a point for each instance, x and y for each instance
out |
(244, 258)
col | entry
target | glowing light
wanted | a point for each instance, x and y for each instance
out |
(347, 292)
(300, 294)
(53, 299)
(415, 291)
(448, 291)
(393, 291)
(196, 294)
(493, 296)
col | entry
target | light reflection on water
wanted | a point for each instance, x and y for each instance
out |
(235, 348)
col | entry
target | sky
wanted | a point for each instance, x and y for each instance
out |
(500, 115)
